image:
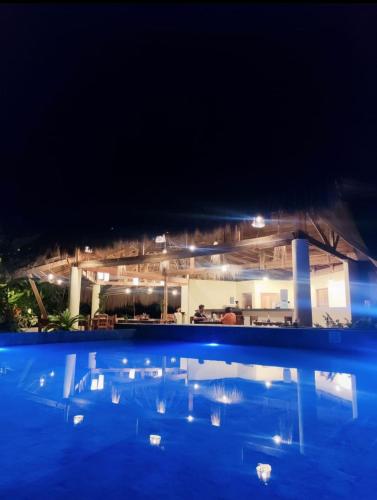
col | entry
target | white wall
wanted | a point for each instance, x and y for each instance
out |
(212, 293)
(335, 282)
(216, 294)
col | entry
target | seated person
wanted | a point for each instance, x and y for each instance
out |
(229, 317)
(199, 315)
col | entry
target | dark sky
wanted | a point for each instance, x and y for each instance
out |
(120, 118)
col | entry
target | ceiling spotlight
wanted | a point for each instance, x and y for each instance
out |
(50, 277)
(135, 281)
(59, 281)
(258, 222)
(128, 291)
(215, 243)
(150, 290)
(192, 248)
(224, 268)
(164, 250)
(174, 292)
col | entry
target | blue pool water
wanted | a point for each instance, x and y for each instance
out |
(118, 420)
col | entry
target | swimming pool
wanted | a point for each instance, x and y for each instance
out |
(179, 420)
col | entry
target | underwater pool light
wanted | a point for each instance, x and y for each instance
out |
(155, 439)
(277, 439)
(77, 419)
(264, 472)
(190, 418)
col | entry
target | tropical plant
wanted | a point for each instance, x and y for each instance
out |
(63, 321)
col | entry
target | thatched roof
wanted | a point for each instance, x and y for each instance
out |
(232, 252)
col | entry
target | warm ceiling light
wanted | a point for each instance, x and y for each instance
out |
(59, 281)
(162, 282)
(135, 281)
(258, 222)
(128, 291)
(50, 277)
(215, 243)
(174, 292)
(192, 248)
(164, 250)
(224, 267)
(150, 290)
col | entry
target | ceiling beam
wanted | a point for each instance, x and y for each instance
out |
(261, 242)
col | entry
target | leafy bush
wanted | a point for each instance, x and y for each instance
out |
(63, 321)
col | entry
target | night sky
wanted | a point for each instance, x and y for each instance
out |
(118, 120)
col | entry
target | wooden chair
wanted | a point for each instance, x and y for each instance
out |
(101, 321)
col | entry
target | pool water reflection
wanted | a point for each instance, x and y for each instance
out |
(181, 420)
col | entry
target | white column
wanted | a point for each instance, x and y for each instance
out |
(75, 291)
(354, 290)
(185, 303)
(301, 282)
(95, 299)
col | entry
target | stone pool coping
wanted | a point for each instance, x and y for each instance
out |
(361, 341)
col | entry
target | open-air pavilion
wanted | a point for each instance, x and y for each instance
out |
(295, 267)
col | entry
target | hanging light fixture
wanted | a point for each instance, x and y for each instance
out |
(258, 222)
